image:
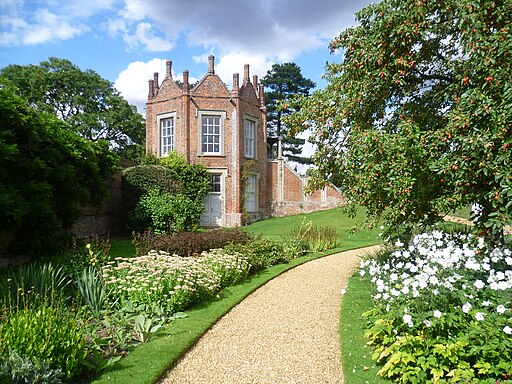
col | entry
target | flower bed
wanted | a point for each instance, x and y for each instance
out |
(443, 310)
(171, 282)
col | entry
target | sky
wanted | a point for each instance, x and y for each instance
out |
(126, 41)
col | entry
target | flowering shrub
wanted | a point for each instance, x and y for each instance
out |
(443, 310)
(173, 282)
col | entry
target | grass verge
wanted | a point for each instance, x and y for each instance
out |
(358, 366)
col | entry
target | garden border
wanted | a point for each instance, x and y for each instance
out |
(134, 368)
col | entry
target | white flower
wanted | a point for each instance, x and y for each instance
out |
(437, 314)
(408, 320)
(507, 330)
(479, 316)
(466, 307)
(486, 303)
(343, 291)
(399, 244)
(479, 284)
(501, 309)
(427, 323)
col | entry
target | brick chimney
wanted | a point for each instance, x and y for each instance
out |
(168, 69)
(211, 65)
(151, 90)
(236, 80)
(246, 74)
(155, 79)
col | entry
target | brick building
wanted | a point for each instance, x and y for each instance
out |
(225, 130)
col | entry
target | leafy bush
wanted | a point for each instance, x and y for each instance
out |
(188, 243)
(260, 253)
(442, 310)
(46, 332)
(16, 369)
(139, 180)
(194, 179)
(173, 283)
(166, 213)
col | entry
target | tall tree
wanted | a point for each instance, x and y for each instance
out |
(284, 82)
(46, 171)
(416, 119)
(89, 104)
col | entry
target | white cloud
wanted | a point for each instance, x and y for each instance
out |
(133, 81)
(276, 28)
(145, 36)
(234, 63)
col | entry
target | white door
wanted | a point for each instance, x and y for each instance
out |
(212, 214)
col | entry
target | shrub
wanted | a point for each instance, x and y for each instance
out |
(260, 253)
(139, 180)
(442, 310)
(16, 369)
(194, 179)
(188, 243)
(166, 213)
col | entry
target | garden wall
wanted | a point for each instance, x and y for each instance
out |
(287, 195)
(107, 220)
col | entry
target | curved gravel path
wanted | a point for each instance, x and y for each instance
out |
(285, 332)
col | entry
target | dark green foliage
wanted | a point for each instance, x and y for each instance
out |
(139, 180)
(283, 82)
(88, 104)
(45, 172)
(261, 253)
(188, 243)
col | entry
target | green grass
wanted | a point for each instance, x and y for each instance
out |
(358, 366)
(150, 361)
(277, 228)
(122, 247)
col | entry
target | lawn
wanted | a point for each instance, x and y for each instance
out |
(277, 228)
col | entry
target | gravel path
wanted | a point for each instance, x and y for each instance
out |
(285, 332)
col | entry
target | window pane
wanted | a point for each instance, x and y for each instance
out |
(166, 135)
(249, 138)
(210, 134)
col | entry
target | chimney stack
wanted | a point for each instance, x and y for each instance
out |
(185, 81)
(155, 79)
(168, 69)
(211, 64)
(246, 74)
(151, 90)
(236, 80)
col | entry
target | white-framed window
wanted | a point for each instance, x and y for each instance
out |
(166, 128)
(249, 138)
(211, 132)
(250, 193)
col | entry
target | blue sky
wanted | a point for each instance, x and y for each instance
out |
(125, 41)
